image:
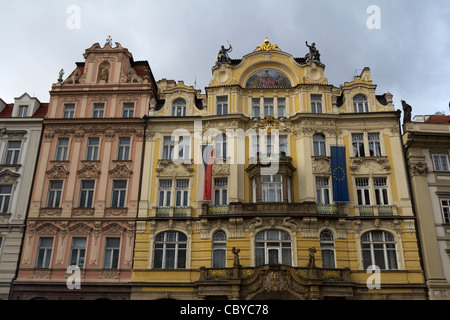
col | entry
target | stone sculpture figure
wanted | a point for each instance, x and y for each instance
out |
(313, 53)
(222, 56)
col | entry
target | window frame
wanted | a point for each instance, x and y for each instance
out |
(114, 255)
(269, 242)
(46, 251)
(316, 103)
(62, 150)
(5, 198)
(360, 103)
(123, 148)
(323, 194)
(319, 145)
(219, 250)
(97, 112)
(166, 192)
(128, 110)
(272, 186)
(328, 245)
(445, 209)
(12, 154)
(20, 111)
(179, 247)
(222, 105)
(384, 243)
(220, 190)
(182, 193)
(69, 111)
(86, 194)
(363, 192)
(442, 165)
(119, 194)
(80, 253)
(179, 107)
(92, 149)
(54, 194)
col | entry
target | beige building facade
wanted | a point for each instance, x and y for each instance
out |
(427, 145)
(20, 135)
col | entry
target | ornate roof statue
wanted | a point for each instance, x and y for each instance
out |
(222, 56)
(109, 41)
(313, 53)
(267, 46)
(407, 111)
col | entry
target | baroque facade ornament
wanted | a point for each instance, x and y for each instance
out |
(267, 46)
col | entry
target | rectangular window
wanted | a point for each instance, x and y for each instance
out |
(13, 152)
(128, 110)
(358, 145)
(168, 147)
(268, 107)
(445, 204)
(61, 149)
(23, 111)
(54, 194)
(86, 193)
(118, 194)
(272, 188)
(112, 253)
(319, 145)
(374, 145)
(222, 105)
(283, 142)
(44, 253)
(78, 252)
(220, 146)
(220, 191)
(323, 190)
(5, 197)
(281, 107)
(363, 191)
(316, 103)
(69, 111)
(98, 110)
(92, 149)
(182, 193)
(255, 108)
(381, 191)
(165, 192)
(255, 145)
(123, 149)
(440, 162)
(184, 147)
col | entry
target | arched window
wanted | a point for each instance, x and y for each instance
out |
(170, 250)
(319, 145)
(273, 247)
(179, 108)
(378, 248)
(360, 104)
(327, 249)
(219, 249)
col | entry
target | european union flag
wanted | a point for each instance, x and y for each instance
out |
(339, 174)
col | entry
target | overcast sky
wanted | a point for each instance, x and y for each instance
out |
(406, 46)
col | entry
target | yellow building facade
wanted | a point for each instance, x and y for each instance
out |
(237, 193)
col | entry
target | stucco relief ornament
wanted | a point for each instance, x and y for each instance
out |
(267, 46)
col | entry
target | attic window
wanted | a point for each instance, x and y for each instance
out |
(23, 111)
(360, 104)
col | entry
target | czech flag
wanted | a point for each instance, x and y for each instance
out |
(208, 160)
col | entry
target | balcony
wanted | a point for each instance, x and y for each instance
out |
(383, 211)
(331, 208)
(218, 209)
(166, 212)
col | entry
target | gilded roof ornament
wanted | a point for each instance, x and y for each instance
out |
(267, 46)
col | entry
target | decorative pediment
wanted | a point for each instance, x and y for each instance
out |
(113, 229)
(221, 169)
(120, 171)
(57, 172)
(47, 229)
(89, 171)
(168, 168)
(80, 229)
(8, 176)
(369, 164)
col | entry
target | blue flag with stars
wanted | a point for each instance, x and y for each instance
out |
(339, 174)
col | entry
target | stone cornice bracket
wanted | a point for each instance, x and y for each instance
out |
(417, 167)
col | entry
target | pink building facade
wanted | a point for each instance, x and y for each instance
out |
(80, 228)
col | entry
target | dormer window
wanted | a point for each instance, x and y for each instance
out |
(222, 105)
(23, 111)
(179, 108)
(360, 104)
